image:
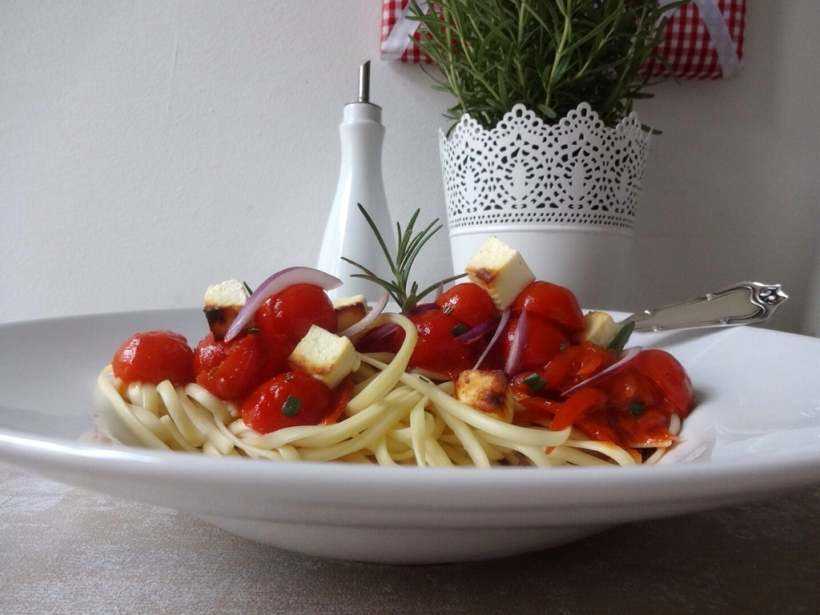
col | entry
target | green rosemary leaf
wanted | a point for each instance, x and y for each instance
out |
(622, 337)
(291, 406)
(378, 236)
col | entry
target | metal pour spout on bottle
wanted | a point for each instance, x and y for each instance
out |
(360, 182)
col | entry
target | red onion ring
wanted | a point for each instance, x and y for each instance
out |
(513, 363)
(505, 318)
(368, 320)
(421, 308)
(627, 357)
(278, 282)
(474, 334)
(377, 334)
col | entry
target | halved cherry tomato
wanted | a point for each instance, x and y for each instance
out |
(287, 400)
(664, 370)
(647, 428)
(232, 370)
(437, 348)
(552, 303)
(285, 317)
(154, 356)
(341, 396)
(536, 410)
(577, 405)
(575, 364)
(543, 341)
(629, 388)
(468, 303)
(596, 426)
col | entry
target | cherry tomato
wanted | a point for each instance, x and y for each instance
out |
(596, 426)
(552, 303)
(285, 317)
(154, 356)
(647, 428)
(437, 348)
(230, 370)
(542, 341)
(575, 364)
(468, 303)
(669, 376)
(287, 400)
(536, 410)
(577, 405)
(630, 389)
(209, 353)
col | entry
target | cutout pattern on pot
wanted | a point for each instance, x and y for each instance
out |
(524, 171)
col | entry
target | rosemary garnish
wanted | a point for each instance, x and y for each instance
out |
(622, 337)
(535, 382)
(408, 247)
(291, 406)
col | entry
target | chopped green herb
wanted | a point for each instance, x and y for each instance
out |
(247, 288)
(622, 337)
(291, 406)
(636, 408)
(535, 382)
(252, 329)
(460, 329)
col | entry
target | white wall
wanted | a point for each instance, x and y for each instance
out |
(148, 148)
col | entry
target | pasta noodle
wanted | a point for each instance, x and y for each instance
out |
(395, 418)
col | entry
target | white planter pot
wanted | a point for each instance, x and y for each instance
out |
(564, 195)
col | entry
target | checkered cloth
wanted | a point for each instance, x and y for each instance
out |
(704, 39)
(397, 30)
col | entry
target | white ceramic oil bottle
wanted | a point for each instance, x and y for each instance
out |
(360, 181)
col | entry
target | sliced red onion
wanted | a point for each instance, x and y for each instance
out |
(626, 358)
(474, 334)
(513, 363)
(276, 283)
(421, 308)
(505, 318)
(368, 320)
(377, 334)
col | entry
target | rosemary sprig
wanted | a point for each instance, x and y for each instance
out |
(408, 246)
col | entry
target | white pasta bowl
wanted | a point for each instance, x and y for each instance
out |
(755, 433)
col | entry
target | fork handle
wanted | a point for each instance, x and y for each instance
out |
(744, 303)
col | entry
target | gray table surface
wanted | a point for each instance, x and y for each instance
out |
(67, 550)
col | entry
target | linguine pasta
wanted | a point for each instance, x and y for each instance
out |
(395, 417)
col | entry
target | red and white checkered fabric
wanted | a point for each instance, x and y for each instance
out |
(688, 49)
(393, 12)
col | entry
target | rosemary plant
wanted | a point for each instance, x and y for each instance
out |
(550, 55)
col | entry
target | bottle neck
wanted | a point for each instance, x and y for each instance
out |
(362, 135)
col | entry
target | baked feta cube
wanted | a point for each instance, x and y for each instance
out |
(349, 311)
(600, 328)
(484, 390)
(500, 270)
(326, 356)
(222, 303)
